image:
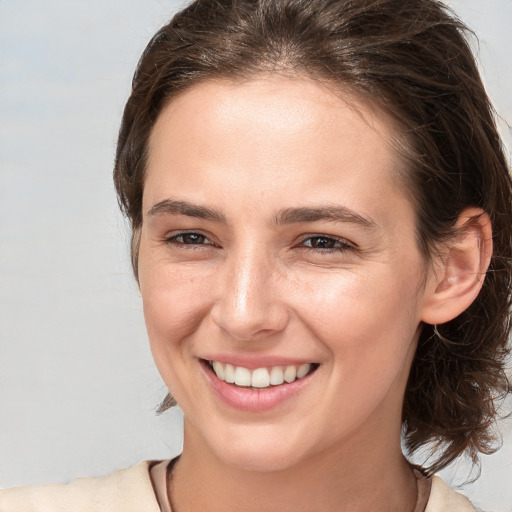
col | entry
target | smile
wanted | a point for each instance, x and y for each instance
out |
(260, 378)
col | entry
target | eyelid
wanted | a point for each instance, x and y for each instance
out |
(171, 238)
(344, 244)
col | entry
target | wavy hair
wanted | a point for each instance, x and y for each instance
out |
(411, 58)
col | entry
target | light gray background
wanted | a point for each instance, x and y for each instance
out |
(77, 383)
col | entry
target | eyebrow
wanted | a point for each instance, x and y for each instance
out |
(331, 213)
(327, 213)
(173, 207)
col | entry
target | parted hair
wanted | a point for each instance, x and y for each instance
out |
(412, 59)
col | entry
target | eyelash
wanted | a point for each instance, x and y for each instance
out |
(339, 244)
(174, 239)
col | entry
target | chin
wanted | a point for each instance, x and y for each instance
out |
(262, 451)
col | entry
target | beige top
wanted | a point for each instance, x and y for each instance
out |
(143, 488)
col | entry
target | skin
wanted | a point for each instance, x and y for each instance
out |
(349, 294)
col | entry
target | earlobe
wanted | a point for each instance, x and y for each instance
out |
(458, 272)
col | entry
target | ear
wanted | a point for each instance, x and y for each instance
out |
(458, 271)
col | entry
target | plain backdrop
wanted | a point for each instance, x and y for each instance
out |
(78, 388)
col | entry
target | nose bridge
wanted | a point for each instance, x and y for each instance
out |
(249, 304)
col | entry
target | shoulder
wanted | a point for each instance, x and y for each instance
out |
(444, 499)
(126, 490)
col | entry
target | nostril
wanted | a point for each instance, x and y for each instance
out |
(251, 323)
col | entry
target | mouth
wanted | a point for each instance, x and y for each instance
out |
(260, 378)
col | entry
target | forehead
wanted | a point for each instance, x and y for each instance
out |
(266, 132)
(277, 104)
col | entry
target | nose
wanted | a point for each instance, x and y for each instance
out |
(248, 305)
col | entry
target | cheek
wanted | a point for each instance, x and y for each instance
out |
(173, 311)
(370, 330)
(367, 322)
(355, 301)
(173, 307)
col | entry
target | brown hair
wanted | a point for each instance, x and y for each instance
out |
(413, 60)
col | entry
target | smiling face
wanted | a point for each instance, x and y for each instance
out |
(275, 240)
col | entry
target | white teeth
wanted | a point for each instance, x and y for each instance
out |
(219, 370)
(229, 374)
(276, 376)
(303, 370)
(259, 377)
(290, 374)
(242, 376)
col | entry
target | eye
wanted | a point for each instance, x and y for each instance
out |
(326, 243)
(188, 238)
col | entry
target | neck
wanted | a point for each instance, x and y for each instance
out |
(350, 478)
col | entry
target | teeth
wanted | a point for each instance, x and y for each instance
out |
(290, 374)
(219, 370)
(229, 373)
(303, 370)
(276, 376)
(260, 377)
(242, 376)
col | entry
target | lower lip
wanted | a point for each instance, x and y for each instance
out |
(250, 399)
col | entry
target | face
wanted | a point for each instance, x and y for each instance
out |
(278, 251)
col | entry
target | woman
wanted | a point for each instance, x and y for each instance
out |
(321, 225)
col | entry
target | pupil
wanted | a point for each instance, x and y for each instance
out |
(323, 243)
(191, 238)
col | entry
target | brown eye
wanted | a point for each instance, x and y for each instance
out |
(325, 243)
(188, 239)
(322, 242)
(192, 238)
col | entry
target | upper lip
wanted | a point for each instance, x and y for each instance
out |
(253, 362)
